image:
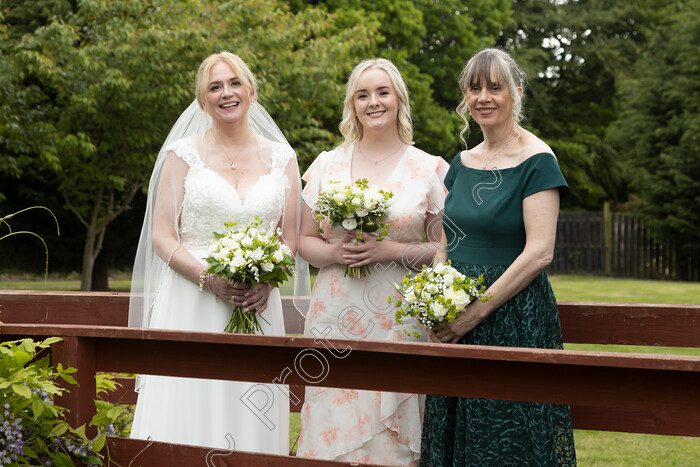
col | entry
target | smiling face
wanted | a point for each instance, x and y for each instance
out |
(489, 102)
(375, 101)
(227, 99)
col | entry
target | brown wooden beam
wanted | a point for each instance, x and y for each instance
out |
(630, 323)
(137, 452)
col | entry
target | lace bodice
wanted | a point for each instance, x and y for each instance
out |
(209, 201)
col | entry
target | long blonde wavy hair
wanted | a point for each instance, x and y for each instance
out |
(484, 65)
(350, 126)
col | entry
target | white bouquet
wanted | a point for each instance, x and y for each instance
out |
(356, 207)
(249, 255)
(436, 295)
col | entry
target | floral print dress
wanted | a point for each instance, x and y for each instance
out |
(355, 425)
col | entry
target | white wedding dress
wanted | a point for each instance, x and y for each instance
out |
(212, 412)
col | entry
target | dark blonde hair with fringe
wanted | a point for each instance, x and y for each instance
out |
(482, 68)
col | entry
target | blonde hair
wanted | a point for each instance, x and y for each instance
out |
(350, 127)
(240, 69)
(479, 69)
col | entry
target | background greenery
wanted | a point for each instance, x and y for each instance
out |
(89, 89)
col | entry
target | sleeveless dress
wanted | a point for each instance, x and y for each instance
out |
(353, 425)
(485, 233)
(205, 412)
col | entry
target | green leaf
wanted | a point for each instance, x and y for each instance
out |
(37, 407)
(99, 442)
(115, 412)
(22, 390)
(68, 378)
(60, 428)
(62, 460)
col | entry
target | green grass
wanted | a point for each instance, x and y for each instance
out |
(605, 289)
(593, 448)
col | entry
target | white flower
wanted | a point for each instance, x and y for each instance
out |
(257, 254)
(425, 295)
(438, 310)
(238, 236)
(448, 279)
(458, 297)
(337, 187)
(432, 288)
(247, 242)
(410, 297)
(439, 268)
(237, 261)
(278, 256)
(350, 223)
(361, 212)
(356, 201)
(338, 198)
(267, 266)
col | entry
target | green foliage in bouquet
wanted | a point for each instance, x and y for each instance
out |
(249, 255)
(436, 295)
(358, 207)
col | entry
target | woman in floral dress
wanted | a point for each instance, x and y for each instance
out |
(345, 424)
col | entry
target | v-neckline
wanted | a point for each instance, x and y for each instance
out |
(391, 174)
(242, 199)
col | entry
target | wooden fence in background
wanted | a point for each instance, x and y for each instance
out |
(607, 391)
(618, 245)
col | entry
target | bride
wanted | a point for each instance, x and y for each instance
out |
(225, 160)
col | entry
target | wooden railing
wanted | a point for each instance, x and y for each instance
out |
(607, 391)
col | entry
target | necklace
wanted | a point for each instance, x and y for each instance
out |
(380, 160)
(232, 163)
(483, 151)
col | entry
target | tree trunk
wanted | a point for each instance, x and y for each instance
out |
(100, 273)
(88, 259)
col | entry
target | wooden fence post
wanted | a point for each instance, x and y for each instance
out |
(607, 231)
(79, 353)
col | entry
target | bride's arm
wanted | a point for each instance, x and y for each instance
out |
(166, 218)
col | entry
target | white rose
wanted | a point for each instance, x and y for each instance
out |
(238, 236)
(448, 279)
(361, 212)
(371, 201)
(459, 298)
(267, 266)
(439, 268)
(432, 288)
(247, 241)
(356, 201)
(425, 295)
(257, 254)
(410, 297)
(278, 256)
(337, 187)
(350, 223)
(237, 261)
(438, 310)
(338, 198)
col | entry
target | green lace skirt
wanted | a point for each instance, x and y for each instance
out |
(483, 432)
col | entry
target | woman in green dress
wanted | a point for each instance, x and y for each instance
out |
(500, 221)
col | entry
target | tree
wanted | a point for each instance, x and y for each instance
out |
(575, 54)
(658, 132)
(109, 78)
(429, 41)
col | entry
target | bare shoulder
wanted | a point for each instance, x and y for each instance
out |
(531, 145)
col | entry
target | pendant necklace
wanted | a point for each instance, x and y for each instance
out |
(380, 160)
(231, 162)
(483, 151)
